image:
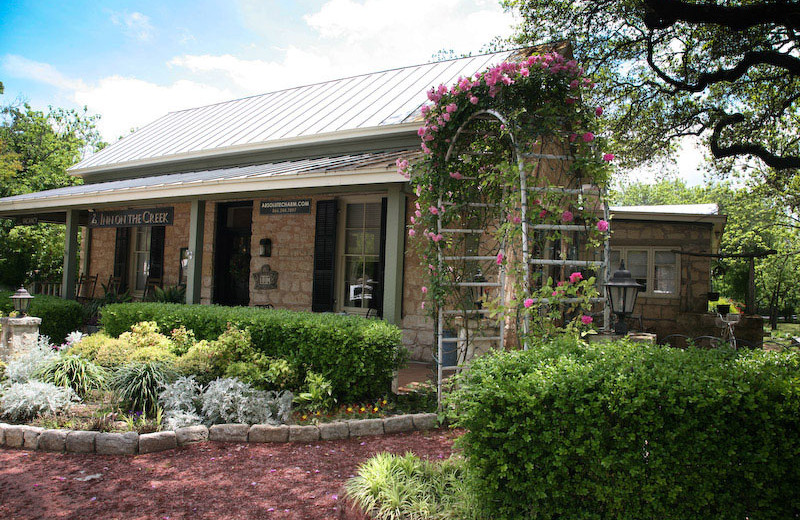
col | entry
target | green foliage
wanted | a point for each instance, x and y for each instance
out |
(76, 372)
(173, 294)
(318, 396)
(396, 487)
(182, 340)
(200, 361)
(24, 401)
(138, 384)
(665, 71)
(142, 343)
(281, 375)
(36, 148)
(232, 401)
(631, 431)
(356, 355)
(59, 316)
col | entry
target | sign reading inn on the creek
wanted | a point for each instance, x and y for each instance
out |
(282, 207)
(132, 218)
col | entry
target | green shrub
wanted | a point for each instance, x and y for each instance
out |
(200, 361)
(318, 395)
(570, 430)
(356, 355)
(137, 385)
(75, 372)
(24, 401)
(59, 316)
(396, 487)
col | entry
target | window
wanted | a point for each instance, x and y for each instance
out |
(656, 269)
(360, 256)
(140, 259)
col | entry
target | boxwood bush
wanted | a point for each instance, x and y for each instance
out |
(356, 355)
(59, 316)
(571, 430)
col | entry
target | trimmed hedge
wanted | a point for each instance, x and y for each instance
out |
(59, 316)
(357, 355)
(623, 431)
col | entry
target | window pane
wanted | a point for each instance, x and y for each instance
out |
(614, 261)
(355, 216)
(637, 265)
(665, 273)
(372, 215)
(354, 242)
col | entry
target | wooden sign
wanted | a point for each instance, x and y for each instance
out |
(132, 218)
(28, 221)
(283, 207)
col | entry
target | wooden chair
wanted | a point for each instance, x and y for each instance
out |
(114, 284)
(84, 291)
(149, 287)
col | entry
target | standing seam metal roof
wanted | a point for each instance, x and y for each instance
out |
(371, 100)
(262, 172)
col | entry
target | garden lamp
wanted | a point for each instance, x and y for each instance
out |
(622, 291)
(22, 301)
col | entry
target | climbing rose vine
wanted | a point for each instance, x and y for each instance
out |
(469, 177)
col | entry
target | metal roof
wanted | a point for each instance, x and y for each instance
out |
(377, 100)
(381, 166)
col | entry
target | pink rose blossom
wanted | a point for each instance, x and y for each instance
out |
(528, 303)
(434, 210)
(602, 225)
(555, 293)
(567, 216)
(452, 107)
(608, 157)
(598, 111)
(445, 118)
(543, 213)
(499, 258)
(424, 290)
(575, 277)
(473, 100)
(418, 213)
(413, 220)
(572, 137)
(586, 320)
(517, 220)
(411, 232)
(588, 136)
(559, 284)
(456, 175)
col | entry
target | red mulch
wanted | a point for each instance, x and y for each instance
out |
(203, 481)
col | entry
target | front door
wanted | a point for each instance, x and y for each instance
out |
(232, 256)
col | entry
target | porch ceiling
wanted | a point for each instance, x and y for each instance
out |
(326, 172)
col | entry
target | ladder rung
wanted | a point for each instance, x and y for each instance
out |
(471, 311)
(567, 300)
(479, 284)
(546, 156)
(448, 258)
(469, 231)
(559, 227)
(592, 189)
(474, 204)
(485, 338)
(576, 263)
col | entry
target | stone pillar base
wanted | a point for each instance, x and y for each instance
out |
(18, 336)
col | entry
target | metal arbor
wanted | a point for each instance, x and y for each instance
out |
(503, 243)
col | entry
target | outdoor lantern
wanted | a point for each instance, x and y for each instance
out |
(22, 301)
(622, 290)
(265, 247)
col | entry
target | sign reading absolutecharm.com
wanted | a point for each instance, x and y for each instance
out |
(282, 207)
(132, 218)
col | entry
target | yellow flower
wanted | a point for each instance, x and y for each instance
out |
(375, 409)
(304, 417)
(383, 402)
(363, 409)
(349, 409)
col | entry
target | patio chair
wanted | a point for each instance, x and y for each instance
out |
(149, 288)
(84, 290)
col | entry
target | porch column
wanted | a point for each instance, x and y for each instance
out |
(70, 272)
(194, 273)
(395, 252)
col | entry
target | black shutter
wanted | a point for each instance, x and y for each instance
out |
(377, 300)
(157, 251)
(322, 294)
(122, 248)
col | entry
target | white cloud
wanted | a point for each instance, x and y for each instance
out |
(21, 67)
(135, 25)
(127, 103)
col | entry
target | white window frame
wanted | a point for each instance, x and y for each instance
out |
(341, 226)
(651, 268)
(133, 266)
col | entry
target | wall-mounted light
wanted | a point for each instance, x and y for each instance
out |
(265, 247)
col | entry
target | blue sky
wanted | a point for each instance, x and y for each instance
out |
(132, 62)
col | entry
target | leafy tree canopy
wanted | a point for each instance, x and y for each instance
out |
(727, 71)
(36, 148)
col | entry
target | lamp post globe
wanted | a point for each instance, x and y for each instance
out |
(622, 291)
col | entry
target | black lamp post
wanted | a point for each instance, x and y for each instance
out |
(22, 301)
(622, 291)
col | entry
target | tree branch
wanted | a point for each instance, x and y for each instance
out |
(661, 14)
(719, 151)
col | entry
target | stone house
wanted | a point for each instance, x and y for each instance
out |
(292, 200)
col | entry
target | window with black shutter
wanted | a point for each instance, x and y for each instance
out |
(122, 246)
(322, 297)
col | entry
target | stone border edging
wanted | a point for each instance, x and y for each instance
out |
(132, 443)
